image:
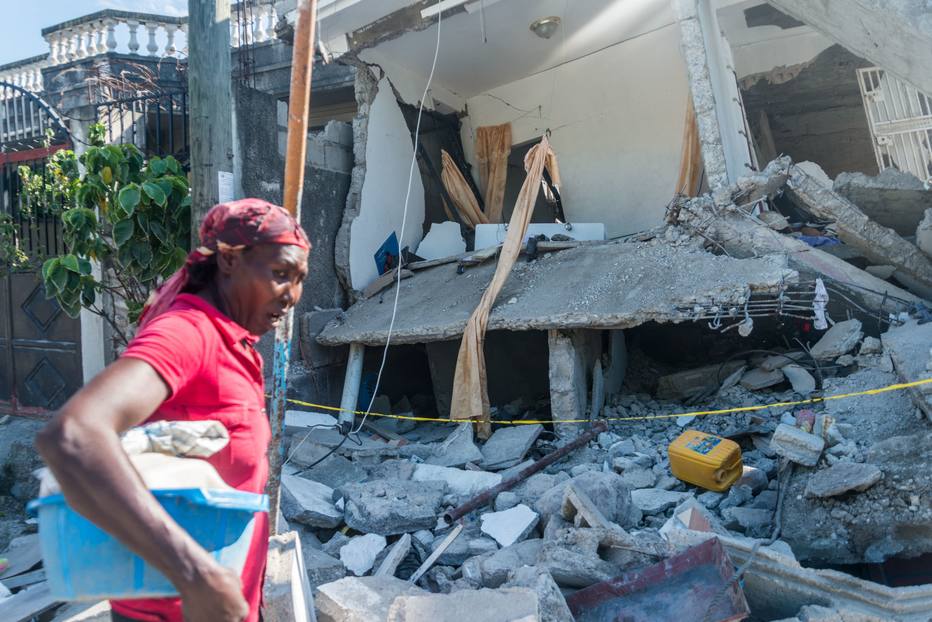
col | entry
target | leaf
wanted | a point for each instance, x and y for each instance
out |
(142, 253)
(58, 277)
(166, 186)
(129, 198)
(88, 294)
(159, 231)
(142, 219)
(157, 166)
(47, 267)
(70, 262)
(107, 175)
(123, 231)
(85, 266)
(154, 192)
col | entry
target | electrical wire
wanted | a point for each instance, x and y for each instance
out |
(404, 222)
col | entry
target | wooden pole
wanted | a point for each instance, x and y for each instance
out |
(210, 107)
(299, 103)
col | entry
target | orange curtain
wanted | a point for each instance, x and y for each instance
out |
(464, 200)
(493, 145)
(691, 158)
(470, 395)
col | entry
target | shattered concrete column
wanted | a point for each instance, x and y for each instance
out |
(693, 47)
(572, 357)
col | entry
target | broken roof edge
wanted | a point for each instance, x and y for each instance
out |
(609, 287)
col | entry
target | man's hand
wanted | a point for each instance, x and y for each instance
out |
(217, 596)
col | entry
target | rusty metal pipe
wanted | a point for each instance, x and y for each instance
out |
(485, 497)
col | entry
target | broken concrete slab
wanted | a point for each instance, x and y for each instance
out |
(396, 555)
(924, 233)
(796, 445)
(320, 567)
(879, 244)
(286, 592)
(757, 379)
(492, 570)
(510, 526)
(552, 604)
(572, 558)
(360, 599)
(637, 477)
(636, 282)
(838, 340)
(755, 522)
(654, 501)
(908, 346)
(458, 481)
(778, 361)
(333, 470)
(505, 500)
(501, 605)
(802, 381)
(686, 384)
(392, 507)
(894, 198)
(606, 490)
(508, 445)
(843, 477)
(309, 503)
(579, 509)
(358, 555)
(458, 448)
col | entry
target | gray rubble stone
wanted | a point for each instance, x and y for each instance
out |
(796, 445)
(841, 478)
(333, 545)
(391, 469)
(358, 555)
(502, 605)
(508, 446)
(493, 569)
(638, 477)
(360, 599)
(505, 500)
(309, 503)
(321, 568)
(334, 471)
(802, 381)
(838, 340)
(392, 507)
(654, 501)
(711, 499)
(766, 500)
(739, 494)
(553, 607)
(396, 555)
(458, 481)
(458, 449)
(754, 522)
(580, 509)
(757, 379)
(607, 491)
(754, 478)
(572, 558)
(870, 345)
(510, 526)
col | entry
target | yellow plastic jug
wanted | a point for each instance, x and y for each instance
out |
(705, 460)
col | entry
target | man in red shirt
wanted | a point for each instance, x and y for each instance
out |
(193, 358)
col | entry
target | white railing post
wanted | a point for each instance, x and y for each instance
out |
(133, 44)
(110, 26)
(152, 46)
(170, 30)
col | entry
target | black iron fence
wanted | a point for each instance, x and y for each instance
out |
(157, 123)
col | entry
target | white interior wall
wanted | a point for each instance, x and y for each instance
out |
(616, 118)
(410, 83)
(389, 151)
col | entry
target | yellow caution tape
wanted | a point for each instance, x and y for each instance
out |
(696, 413)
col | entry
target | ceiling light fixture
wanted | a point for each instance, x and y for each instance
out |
(546, 27)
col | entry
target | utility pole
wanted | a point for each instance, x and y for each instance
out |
(210, 100)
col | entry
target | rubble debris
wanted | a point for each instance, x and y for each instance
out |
(508, 445)
(360, 599)
(698, 581)
(797, 445)
(505, 500)
(458, 449)
(308, 502)
(909, 349)
(606, 490)
(838, 340)
(841, 478)
(686, 384)
(655, 501)
(924, 233)
(286, 591)
(392, 507)
(320, 567)
(493, 569)
(802, 381)
(501, 605)
(359, 554)
(894, 198)
(757, 379)
(753, 478)
(396, 555)
(572, 557)
(550, 600)
(579, 509)
(510, 526)
(459, 482)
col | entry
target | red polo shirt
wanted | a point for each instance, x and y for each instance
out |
(213, 371)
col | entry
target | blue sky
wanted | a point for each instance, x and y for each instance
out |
(20, 29)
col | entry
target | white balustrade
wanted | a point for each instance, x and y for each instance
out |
(27, 76)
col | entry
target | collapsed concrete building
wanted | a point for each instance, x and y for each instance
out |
(739, 236)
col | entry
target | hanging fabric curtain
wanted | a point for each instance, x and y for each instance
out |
(553, 169)
(470, 395)
(493, 145)
(690, 178)
(464, 201)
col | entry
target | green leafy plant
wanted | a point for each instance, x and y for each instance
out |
(128, 215)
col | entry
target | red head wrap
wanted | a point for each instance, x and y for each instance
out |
(229, 226)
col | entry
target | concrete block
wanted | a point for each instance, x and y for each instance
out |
(756, 523)
(635, 477)
(508, 445)
(309, 503)
(320, 567)
(606, 490)
(395, 556)
(505, 500)
(839, 339)
(655, 501)
(358, 555)
(579, 509)
(802, 381)
(360, 599)
(550, 600)
(511, 525)
(458, 449)
(314, 354)
(757, 379)
(391, 507)
(753, 478)
(795, 445)
(694, 381)
(502, 605)
(458, 481)
(924, 233)
(286, 592)
(841, 478)
(572, 356)
(492, 570)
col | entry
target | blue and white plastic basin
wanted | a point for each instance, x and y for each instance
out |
(83, 562)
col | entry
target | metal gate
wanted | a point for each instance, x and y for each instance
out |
(900, 120)
(40, 346)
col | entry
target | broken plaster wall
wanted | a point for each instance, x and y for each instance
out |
(616, 118)
(375, 204)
